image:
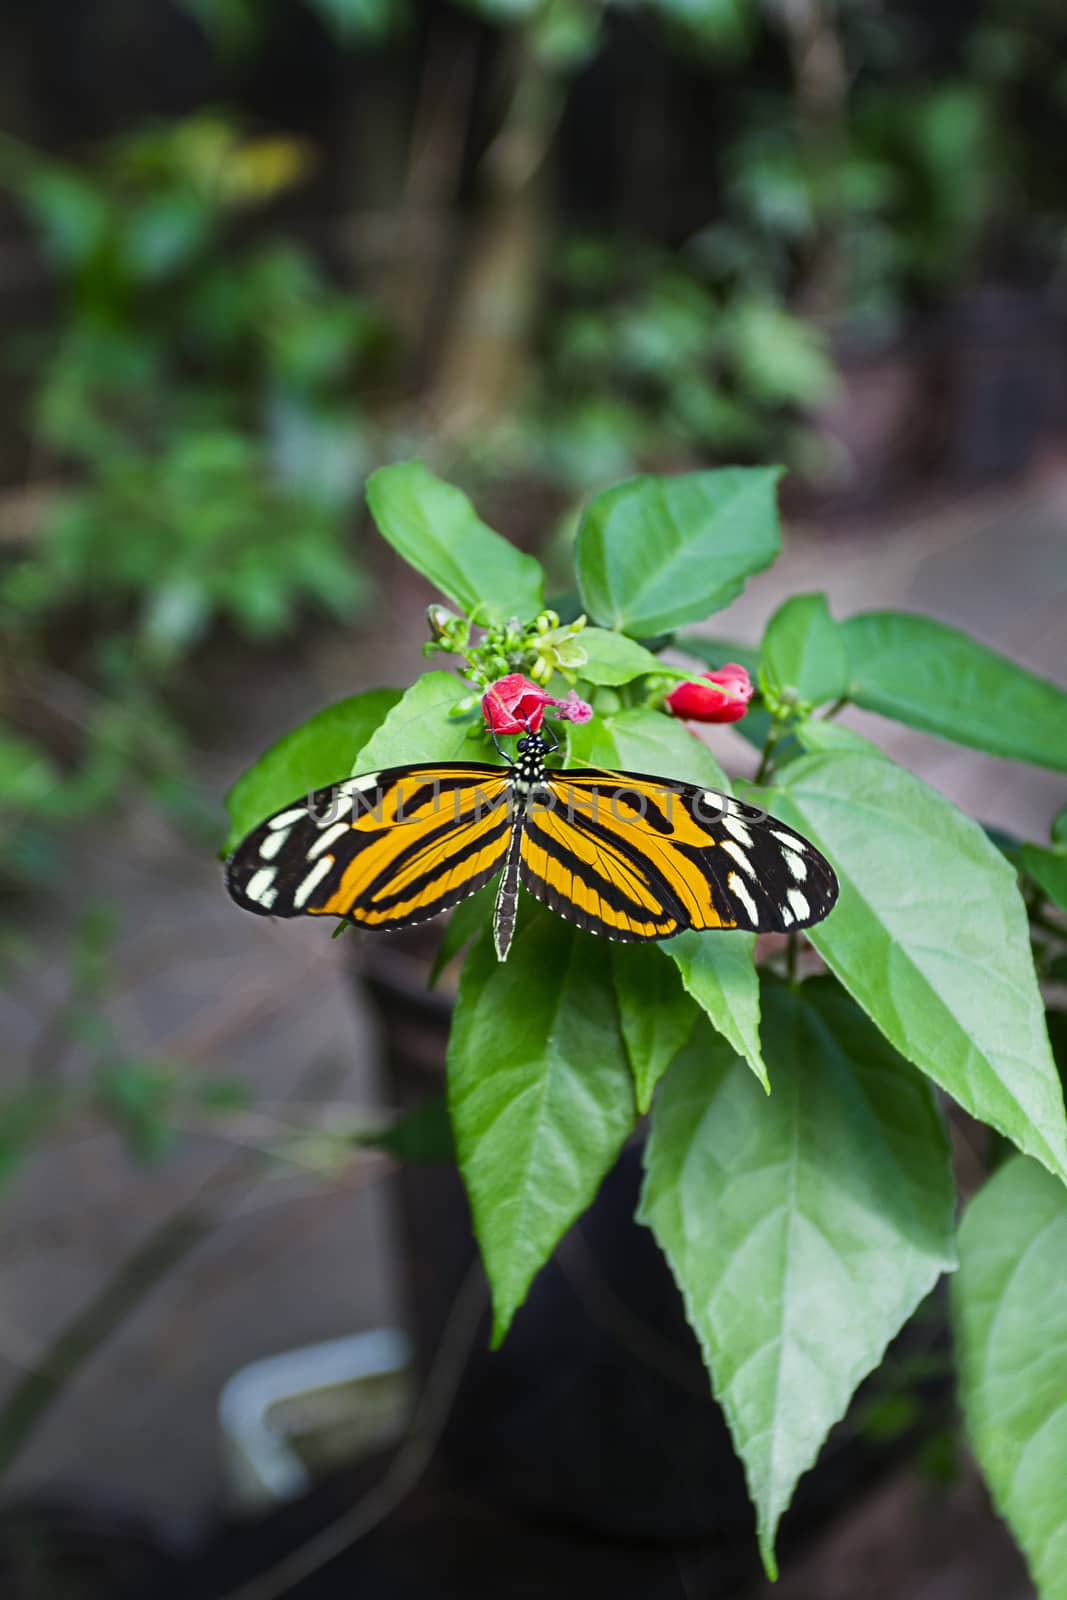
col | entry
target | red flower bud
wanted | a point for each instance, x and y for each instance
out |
(514, 705)
(720, 696)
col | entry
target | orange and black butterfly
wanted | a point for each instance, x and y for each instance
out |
(621, 854)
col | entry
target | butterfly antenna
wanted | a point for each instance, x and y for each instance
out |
(503, 754)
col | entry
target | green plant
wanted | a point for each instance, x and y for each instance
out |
(202, 443)
(803, 1225)
(659, 354)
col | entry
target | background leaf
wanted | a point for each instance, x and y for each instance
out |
(1048, 868)
(420, 728)
(317, 753)
(656, 1014)
(803, 1230)
(803, 651)
(540, 1094)
(436, 529)
(931, 938)
(820, 734)
(613, 658)
(656, 552)
(1010, 1310)
(933, 677)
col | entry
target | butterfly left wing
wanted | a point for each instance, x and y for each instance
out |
(387, 849)
(632, 856)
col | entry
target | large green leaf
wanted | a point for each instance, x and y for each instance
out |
(640, 740)
(317, 753)
(434, 527)
(803, 1230)
(656, 1013)
(655, 552)
(717, 970)
(1010, 1311)
(930, 936)
(804, 653)
(420, 727)
(933, 677)
(540, 1094)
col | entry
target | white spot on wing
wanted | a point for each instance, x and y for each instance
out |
(273, 843)
(261, 887)
(788, 918)
(790, 840)
(738, 830)
(366, 780)
(285, 819)
(325, 840)
(315, 876)
(797, 866)
(738, 888)
(735, 851)
(798, 903)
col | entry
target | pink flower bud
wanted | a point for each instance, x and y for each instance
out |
(720, 696)
(514, 705)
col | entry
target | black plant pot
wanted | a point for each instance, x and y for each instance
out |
(596, 1414)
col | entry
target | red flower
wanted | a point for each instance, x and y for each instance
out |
(514, 705)
(720, 696)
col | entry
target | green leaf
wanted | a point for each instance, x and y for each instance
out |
(420, 728)
(1010, 1312)
(640, 740)
(655, 552)
(1048, 868)
(1059, 827)
(612, 658)
(931, 938)
(436, 529)
(817, 734)
(317, 753)
(804, 652)
(935, 678)
(656, 1014)
(423, 1135)
(540, 1095)
(468, 919)
(717, 970)
(803, 1230)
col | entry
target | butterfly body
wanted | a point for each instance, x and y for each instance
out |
(629, 856)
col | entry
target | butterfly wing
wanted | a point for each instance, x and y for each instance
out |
(632, 856)
(387, 849)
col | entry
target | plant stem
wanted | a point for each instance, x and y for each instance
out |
(791, 954)
(762, 771)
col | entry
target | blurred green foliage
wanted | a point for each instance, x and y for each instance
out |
(196, 405)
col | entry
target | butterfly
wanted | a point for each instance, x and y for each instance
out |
(622, 854)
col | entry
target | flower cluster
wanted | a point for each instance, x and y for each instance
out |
(541, 648)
